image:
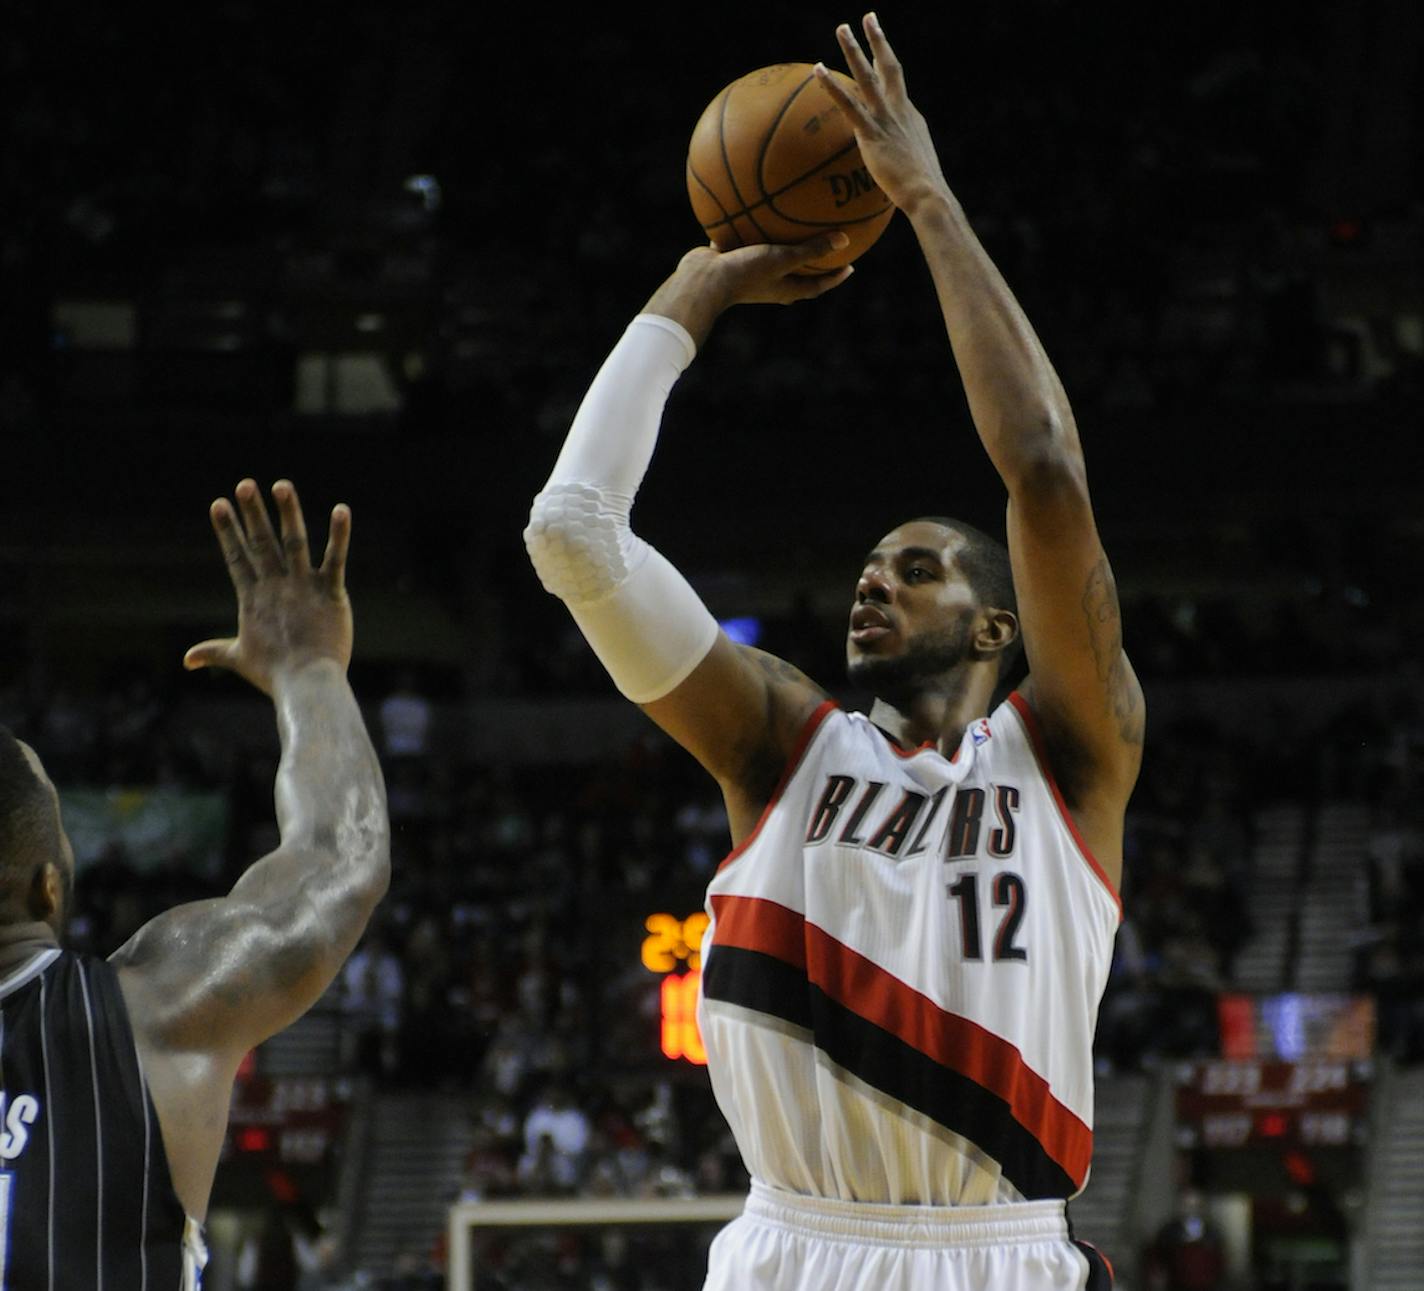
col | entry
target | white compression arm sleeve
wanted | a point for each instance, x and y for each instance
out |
(645, 623)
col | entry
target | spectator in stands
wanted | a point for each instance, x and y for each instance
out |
(556, 1135)
(1187, 1254)
(405, 720)
(489, 1168)
(372, 989)
(426, 1010)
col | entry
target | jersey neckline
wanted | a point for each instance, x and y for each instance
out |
(29, 970)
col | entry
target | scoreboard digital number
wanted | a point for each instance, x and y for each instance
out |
(289, 1121)
(1232, 1104)
(673, 947)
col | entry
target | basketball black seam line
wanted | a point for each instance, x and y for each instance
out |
(691, 170)
(771, 134)
(727, 165)
(716, 201)
(770, 198)
(769, 201)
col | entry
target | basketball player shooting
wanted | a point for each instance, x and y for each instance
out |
(911, 934)
(116, 1076)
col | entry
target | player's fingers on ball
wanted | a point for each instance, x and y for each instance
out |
(234, 548)
(338, 543)
(856, 60)
(813, 285)
(840, 96)
(295, 544)
(886, 64)
(261, 539)
(821, 245)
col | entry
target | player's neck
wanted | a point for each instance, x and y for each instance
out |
(937, 714)
(20, 940)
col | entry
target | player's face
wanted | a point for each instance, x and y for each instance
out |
(914, 610)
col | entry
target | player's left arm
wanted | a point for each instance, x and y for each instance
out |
(206, 981)
(1083, 688)
(219, 976)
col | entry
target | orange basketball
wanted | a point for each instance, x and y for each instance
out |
(773, 159)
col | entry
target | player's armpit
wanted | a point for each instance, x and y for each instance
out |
(206, 982)
(739, 713)
(1083, 688)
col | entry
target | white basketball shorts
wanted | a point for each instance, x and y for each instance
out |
(786, 1242)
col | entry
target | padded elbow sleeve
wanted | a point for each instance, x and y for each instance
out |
(647, 626)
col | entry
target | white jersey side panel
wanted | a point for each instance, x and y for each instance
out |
(902, 972)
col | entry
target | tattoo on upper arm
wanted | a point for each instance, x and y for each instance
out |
(1124, 700)
(779, 669)
(762, 760)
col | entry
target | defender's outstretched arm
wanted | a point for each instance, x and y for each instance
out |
(207, 981)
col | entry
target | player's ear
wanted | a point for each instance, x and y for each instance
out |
(998, 630)
(46, 891)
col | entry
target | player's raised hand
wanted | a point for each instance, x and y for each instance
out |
(894, 140)
(288, 613)
(771, 273)
(707, 281)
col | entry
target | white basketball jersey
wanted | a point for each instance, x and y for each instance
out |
(902, 971)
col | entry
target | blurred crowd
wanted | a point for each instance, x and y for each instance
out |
(1390, 946)
(1173, 253)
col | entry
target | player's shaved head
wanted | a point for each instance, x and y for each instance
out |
(30, 831)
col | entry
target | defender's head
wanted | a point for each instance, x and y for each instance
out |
(36, 860)
(935, 596)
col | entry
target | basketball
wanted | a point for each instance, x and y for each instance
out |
(773, 159)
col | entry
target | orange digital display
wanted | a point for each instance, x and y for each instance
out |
(681, 1037)
(671, 944)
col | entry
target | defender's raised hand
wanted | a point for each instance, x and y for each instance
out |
(288, 614)
(894, 140)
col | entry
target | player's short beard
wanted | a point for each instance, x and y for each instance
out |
(899, 679)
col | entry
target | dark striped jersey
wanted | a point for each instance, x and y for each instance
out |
(86, 1200)
(902, 971)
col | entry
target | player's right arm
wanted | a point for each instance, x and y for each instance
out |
(206, 981)
(737, 711)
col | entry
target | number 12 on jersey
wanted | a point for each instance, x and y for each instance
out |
(1008, 893)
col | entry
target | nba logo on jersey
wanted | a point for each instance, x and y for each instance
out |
(980, 732)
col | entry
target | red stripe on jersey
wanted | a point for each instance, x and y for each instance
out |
(989, 1060)
(752, 923)
(1040, 752)
(803, 741)
(866, 989)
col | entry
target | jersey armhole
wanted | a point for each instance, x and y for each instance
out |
(1040, 752)
(803, 742)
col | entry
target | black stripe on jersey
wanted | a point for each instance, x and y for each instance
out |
(759, 982)
(885, 1062)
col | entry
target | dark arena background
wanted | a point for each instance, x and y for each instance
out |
(382, 249)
